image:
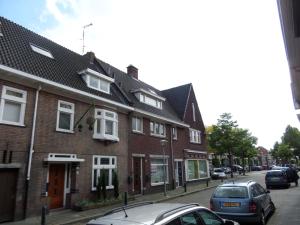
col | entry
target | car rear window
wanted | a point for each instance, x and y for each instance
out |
(231, 192)
(274, 174)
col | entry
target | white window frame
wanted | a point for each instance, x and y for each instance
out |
(187, 169)
(194, 112)
(153, 131)
(99, 82)
(22, 101)
(102, 117)
(64, 110)
(165, 163)
(195, 136)
(174, 133)
(147, 99)
(110, 167)
(134, 124)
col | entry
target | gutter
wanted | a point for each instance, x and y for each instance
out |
(64, 87)
(31, 151)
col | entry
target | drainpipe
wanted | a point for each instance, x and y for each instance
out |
(31, 150)
(172, 158)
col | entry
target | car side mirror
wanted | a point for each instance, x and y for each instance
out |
(228, 222)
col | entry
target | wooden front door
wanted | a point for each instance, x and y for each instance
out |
(56, 185)
(137, 174)
(8, 180)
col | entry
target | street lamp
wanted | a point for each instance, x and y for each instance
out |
(163, 144)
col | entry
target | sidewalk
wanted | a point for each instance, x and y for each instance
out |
(68, 216)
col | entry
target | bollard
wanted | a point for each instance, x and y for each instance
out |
(125, 198)
(184, 186)
(43, 219)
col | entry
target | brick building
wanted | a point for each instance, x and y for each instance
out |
(66, 117)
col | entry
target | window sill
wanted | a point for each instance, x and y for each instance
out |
(138, 132)
(65, 131)
(158, 184)
(106, 138)
(107, 188)
(202, 178)
(12, 124)
(157, 135)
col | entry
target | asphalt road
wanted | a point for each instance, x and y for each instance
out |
(287, 201)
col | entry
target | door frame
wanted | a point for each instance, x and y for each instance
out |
(141, 157)
(177, 172)
(67, 179)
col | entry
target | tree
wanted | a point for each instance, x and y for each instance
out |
(284, 152)
(274, 151)
(221, 138)
(291, 137)
(245, 145)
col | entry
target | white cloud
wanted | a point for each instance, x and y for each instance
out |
(232, 52)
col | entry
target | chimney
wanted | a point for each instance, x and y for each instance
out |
(133, 71)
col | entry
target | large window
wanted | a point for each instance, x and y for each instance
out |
(147, 99)
(157, 129)
(65, 116)
(137, 124)
(157, 171)
(196, 169)
(12, 108)
(195, 136)
(106, 125)
(103, 165)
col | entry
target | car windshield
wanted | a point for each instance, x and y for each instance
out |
(274, 174)
(231, 192)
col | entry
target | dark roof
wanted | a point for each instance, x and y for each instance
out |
(127, 83)
(178, 97)
(15, 52)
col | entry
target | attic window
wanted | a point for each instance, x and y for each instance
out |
(41, 51)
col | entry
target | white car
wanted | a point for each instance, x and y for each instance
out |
(218, 173)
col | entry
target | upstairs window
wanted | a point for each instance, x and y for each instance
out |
(195, 136)
(157, 129)
(174, 133)
(12, 108)
(65, 116)
(41, 51)
(150, 101)
(149, 97)
(137, 124)
(106, 125)
(96, 80)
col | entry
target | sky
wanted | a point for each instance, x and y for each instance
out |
(231, 51)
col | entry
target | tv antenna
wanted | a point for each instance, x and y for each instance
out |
(84, 27)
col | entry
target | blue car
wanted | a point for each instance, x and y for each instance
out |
(244, 202)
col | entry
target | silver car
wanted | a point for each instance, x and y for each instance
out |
(161, 214)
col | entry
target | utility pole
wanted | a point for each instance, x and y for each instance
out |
(85, 26)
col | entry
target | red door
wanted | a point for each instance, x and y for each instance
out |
(56, 185)
(137, 175)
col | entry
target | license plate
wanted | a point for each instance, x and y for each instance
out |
(231, 204)
(275, 178)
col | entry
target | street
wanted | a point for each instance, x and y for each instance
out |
(287, 201)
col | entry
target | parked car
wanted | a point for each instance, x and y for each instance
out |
(237, 168)
(226, 169)
(245, 202)
(277, 178)
(256, 168)
(218, 173)
(161, 213)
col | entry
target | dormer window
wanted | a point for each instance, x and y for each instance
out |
(149, 98)
(41, 51)
(97, 80)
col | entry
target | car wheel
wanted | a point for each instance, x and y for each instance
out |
(273, 208)
(262, 220)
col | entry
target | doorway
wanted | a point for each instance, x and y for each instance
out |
(138, 177)
(56, 185)
(178, 173)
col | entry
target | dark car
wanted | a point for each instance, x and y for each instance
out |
(237, 168)
(161, 214)
(277, 178)
(245, 202)
(256, 168)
